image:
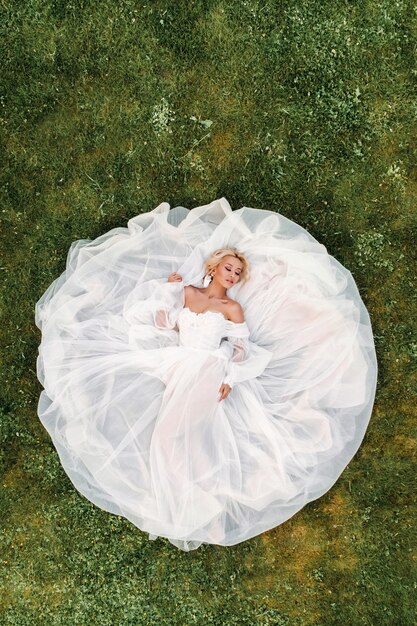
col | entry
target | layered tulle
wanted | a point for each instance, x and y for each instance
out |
(131, 378)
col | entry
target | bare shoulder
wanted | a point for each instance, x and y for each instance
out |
(190, 291)
(235, 311)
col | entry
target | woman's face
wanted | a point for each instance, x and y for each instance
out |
(228, 271)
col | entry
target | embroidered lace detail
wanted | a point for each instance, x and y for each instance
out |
(186, 308)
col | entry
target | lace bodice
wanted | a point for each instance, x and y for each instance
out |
(202, 330)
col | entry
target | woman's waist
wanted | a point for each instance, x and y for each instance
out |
(216, 350)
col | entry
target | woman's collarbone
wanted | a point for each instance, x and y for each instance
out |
(202, 304)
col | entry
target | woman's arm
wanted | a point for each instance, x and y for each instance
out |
(166, 318)
(235, 314)
(247, 359)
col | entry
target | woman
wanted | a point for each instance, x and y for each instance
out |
(225, 268)
(205, 414)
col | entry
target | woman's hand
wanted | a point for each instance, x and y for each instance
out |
(224, 391)
(174, 278)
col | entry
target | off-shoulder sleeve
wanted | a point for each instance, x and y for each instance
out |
(170, 298)
(247, 359)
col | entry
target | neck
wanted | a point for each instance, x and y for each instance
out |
(215, 289)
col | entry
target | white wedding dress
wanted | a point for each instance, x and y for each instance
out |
(131, 375)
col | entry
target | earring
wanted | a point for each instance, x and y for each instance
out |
(207, 279)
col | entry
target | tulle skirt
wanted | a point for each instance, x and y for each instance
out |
(134, 415)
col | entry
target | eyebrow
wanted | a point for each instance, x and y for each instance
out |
(238, 268)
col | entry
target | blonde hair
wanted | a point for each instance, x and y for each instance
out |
(215, 258)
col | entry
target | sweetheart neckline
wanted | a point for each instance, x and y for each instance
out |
(211, 311)
(204, 312)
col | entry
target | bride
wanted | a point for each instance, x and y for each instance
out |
(225, 269)
(204, 412)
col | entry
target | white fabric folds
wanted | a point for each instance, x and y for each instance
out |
(131, 376)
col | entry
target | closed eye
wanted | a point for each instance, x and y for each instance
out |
(229, 269)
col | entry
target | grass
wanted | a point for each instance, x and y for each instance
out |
(306, 108)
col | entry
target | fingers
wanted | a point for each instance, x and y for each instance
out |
(174, 277)
(224, 391)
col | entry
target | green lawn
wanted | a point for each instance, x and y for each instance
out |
(304, 107)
